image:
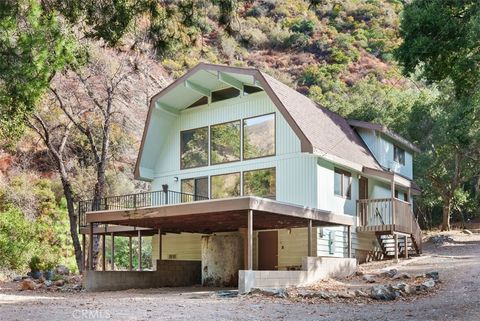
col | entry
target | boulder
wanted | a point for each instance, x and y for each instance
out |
(384, 293)
(390, 273)
(403, 275)
(406, 288)
(48, 283)
(62, 270)
(27, 284)
(428, 284)
(433, 275)
(369, 278)
(60, 282)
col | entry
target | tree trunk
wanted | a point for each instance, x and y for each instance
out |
(67, 191)
(447, 205)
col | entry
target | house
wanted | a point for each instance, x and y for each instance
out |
(248, 175)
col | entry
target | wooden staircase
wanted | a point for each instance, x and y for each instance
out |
(389, 218)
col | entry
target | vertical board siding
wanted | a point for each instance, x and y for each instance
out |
(186, 246)
(360, 241)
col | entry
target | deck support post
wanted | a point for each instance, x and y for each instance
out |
(405, 247)
(250, 240)
(84, 249)
(90, 251)
(130, 261)
(393, 201)
(309, 238)
(104, 239)
(139, 250)
(395, 239)
(159, 244)
(113, 251)
(349, 241)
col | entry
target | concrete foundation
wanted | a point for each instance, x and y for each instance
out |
(313, 269)
(222, 258)
(168, 273)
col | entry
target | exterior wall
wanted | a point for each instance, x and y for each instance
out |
(382, 149)
(185, 246)
(294, 180)
(292, 246)
(168, 273)
(326, 198)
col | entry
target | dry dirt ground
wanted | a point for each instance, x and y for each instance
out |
(457, 298)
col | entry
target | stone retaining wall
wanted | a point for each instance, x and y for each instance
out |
(169, 273)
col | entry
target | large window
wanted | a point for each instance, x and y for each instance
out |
(342, 183)
(399, 155)
(259, 136)
(225, 142)
(259, 182)
(194, 147)
(194, 189)
(226, 185)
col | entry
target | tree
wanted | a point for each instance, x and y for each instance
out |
(442, 38)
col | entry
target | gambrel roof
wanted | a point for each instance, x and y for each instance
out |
(320, 131)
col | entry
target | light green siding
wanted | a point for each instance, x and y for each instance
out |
(294, 180)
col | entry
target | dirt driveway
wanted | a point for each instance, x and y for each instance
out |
(457, 299)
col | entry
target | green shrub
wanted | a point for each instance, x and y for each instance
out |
(305, 27)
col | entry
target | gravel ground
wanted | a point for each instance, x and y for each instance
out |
(456, 299)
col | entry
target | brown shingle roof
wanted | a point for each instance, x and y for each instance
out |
(330, 134)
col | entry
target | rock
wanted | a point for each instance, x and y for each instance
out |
(359, 273)
(274, 292)
(369, 278)
(227, 293)
(406, 288)
(41, 279)
(48, 283)
(428, 284)
(390, 273)
(17, 278)
(346, 295)
(383, 292)
(27, 284)
(60, 282)
(440, 239)
(468, 232)
(403, 275)
(62, 270)
(77, 287)
(360, 293)
(433, 275)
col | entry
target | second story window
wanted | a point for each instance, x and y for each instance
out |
(259, 136)
(342, 183)
(399, 155)
(225, 142)
(226, 185)
(260, 182)
(194, 148)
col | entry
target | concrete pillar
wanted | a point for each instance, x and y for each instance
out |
(395, 238)
(309, 238)
(250, 240)
(139, 250)
(349, 241)
(90, 252)
(104, 240)
(113, 251)
(130, 257)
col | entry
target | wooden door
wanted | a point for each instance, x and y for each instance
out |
(268, 250)
(363, 188)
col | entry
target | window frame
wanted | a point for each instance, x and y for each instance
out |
(182, 150)
(400, 160)
(259, 169)
(223, 174)
(346, 193)
(274, 136)
(210, 163)
(195, 185)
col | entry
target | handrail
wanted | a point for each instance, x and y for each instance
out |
(137, 200)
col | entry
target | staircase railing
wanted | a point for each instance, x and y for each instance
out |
(131, 201)
(390, 211)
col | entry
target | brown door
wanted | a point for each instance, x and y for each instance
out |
(363, 188)
(268, 250)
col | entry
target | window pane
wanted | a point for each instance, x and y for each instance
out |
(227, 185)
(259, 183)
(187, 187)
(225, 142)
(194, 147)
(399, 155)
(259, 136)
(337, 183)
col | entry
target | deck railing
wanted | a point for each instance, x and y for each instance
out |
(131, 201)
(391, 212)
